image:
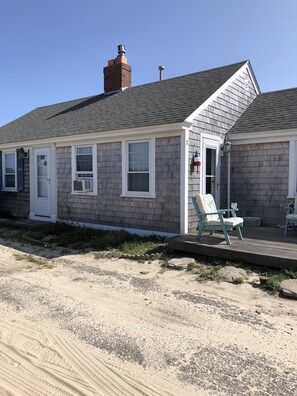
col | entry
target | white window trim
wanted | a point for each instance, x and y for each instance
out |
(73, 169)
(292, 168)
(210, 141)
(152, 183)
(11, 189)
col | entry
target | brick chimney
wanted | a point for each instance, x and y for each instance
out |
(117, 74)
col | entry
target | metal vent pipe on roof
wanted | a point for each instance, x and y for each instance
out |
(121, 50)
(161, 68)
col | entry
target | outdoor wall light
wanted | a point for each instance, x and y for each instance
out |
(22, 154)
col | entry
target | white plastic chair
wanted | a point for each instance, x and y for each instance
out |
(291, 218)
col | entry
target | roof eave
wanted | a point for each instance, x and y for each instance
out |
(114, 135)
(267, 136)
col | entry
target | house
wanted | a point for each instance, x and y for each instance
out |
(264, 156)
(124, 158)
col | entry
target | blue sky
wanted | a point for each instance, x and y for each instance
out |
(55, 50)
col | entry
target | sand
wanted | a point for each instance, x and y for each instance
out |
(73, 324)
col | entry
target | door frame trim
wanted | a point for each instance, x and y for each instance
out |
(218, 141)
(53, 190)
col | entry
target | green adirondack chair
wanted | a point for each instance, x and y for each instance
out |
(211, 219)
(291, 218)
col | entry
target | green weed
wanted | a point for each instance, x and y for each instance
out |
(31, 259)
(210, 273)
(143, 247)
(276, 277)
(82, 238)
(192, 266)
(239, 280)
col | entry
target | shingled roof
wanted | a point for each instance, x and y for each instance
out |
(270, 111)
(163, 102)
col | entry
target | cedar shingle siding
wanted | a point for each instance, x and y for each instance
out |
(160, 214)
(17, 203)
(217, 119)
(259, 174)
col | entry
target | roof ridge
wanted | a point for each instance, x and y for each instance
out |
(156, 103)
(146, 84)
(190, 74)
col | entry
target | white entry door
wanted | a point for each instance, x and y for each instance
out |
(42, 182)
(211, 167)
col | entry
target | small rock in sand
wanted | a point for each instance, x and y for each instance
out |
(230, 274)
(180, 263)
(289, 287)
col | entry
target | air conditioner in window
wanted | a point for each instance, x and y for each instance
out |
(83, 185)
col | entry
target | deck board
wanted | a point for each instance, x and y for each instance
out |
(265, 246)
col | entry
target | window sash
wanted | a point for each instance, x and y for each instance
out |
(84, 159)
(84, 167)
(138, 182)
(84, 162)
(138, 157)
(9, 170)
(138, 167)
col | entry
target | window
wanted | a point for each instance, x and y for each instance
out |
(9, 171)
(138, 166)
(84, 169)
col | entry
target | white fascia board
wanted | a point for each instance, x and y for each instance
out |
(203, 106)
(187, 124)
(251, 73)
(108, 136)
(263, 137)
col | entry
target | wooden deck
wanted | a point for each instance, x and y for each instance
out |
(261, 245)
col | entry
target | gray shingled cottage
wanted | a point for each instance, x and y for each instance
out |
(124, 158)
(264, 156)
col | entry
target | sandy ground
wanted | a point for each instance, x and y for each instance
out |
(76, 325)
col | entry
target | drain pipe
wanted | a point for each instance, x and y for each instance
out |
(229, 180)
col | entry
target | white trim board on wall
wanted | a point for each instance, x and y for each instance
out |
(210, 141)
(184, 175)
(263, 137)
(292, 190)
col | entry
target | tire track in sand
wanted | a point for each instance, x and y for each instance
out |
(39, 362)
(30, 366)
(108, 380)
